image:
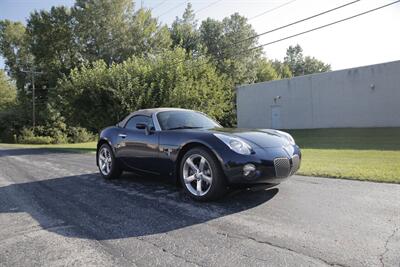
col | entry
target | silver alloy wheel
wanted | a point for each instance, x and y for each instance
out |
(197, 175)
(105, 161)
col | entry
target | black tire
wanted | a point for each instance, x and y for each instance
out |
(218, 186)
(115, 170)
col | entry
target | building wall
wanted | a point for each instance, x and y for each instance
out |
(359, 97)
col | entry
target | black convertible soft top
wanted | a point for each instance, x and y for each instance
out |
(151, 111)
(146, 112)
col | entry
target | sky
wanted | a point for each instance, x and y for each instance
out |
(369, 39)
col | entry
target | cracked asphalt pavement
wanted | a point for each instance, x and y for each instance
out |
(56, 210)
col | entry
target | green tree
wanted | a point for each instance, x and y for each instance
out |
(300, 65)
(212, 38)
(228, 42)
(313, 65)
(266, 71)
(8, 92)
(14, 47)
(13, 115)
(282, 69)
(184, 32)
(51, 41)
(101, 28)
(112, 31)
(146, 35)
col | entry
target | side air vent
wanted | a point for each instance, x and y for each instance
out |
(295, 164)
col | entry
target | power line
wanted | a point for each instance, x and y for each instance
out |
(298, 21)
(323, 26)
(272, 9)
(311, 30)
(307, 31)
(159, 4)
(171, 9)
(207, 6)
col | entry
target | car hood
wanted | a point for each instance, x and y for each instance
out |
(265, 138)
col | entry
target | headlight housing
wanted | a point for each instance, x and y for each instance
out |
(288, 137)
(236, 144)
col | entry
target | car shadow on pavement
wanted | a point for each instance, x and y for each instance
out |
(86, 206)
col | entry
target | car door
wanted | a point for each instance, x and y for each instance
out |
(137, 149)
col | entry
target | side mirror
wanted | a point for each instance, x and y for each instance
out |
(143, 126)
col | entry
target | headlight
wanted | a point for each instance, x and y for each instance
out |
(236, 144)
(288, 137)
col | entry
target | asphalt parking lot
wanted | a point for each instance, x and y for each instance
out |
(56, 210)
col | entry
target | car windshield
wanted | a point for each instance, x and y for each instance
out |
(172, 120)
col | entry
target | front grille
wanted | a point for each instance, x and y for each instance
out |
(285, 167)
(282, 167)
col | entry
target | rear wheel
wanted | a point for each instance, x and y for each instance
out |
(107, 163)
(201, 175)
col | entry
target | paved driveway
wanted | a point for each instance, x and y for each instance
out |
(56, 210)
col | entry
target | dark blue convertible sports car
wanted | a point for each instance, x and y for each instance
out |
(195, 150)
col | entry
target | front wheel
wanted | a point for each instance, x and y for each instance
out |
(107, 163)
(201, 175)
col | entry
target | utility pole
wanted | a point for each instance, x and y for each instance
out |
(33, 73)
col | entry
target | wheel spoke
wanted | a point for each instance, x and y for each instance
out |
(190, 179)
(206, 178)
(103, 166)
(192, 165)
(198, 187)
(201, 165)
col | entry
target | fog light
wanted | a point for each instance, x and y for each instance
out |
(249, 169)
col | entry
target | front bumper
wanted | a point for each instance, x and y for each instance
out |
(272, 165)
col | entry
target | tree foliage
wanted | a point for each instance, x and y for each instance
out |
(228, 42)
(8, 92)
(300, 65)
(14, 47)
(52, 44)
(168, 79)
(184, 32)
(113, 31)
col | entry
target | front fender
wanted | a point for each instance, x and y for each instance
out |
(109, 136)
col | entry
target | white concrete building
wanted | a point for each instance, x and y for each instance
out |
(359, 97)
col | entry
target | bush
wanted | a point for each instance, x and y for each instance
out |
(80, 135)
(99, 95)
(28, 136)
(57, 135)
(36, 140)
(44, 135)
(12, 121)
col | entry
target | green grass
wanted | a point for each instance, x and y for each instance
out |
(80, 147)
(369, 165)
(371, 154)
(349, 138)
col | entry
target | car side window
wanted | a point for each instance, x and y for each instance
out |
(131, 124)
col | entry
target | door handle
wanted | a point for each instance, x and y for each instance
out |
(122, 135)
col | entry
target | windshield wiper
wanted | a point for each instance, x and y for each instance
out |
(184, 127)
